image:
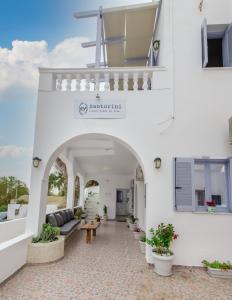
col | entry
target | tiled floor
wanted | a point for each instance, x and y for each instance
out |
(112, 267)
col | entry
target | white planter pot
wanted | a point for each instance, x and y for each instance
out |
(142, 246)
(163, 264)
(219, 273)
(137, 235)
(132, 226)
(39, 253)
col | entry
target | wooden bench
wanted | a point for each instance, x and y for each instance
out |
(91, 226)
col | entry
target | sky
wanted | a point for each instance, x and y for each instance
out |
(32, 34)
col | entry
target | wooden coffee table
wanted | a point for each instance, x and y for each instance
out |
(90, 227)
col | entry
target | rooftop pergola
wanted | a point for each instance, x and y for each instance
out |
(124, 35)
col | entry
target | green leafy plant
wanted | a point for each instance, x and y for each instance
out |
(161, 239)
(78, 213)
(3, 208)
(132, 219)
(143, 238)
(49, 234)
(105, 210)
(217, 265)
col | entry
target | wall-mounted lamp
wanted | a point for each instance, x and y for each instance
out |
(157, 162)
(36, 162)
(98, 97)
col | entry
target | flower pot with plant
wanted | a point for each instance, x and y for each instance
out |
(105, 216)
(217, 269)
(160, 241)
(46, 247)
(133, 223)
(211, 206)
(137, 233)
(142, 243)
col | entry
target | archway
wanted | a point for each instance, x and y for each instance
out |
(106, 159)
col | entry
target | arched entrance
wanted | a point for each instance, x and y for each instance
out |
(105, 159)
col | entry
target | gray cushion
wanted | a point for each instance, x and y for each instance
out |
(68, 227)
(52, 220)
(67, 215)
(64, 216)
(71, 215)
(59, 219)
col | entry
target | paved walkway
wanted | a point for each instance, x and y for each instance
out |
(112, 267)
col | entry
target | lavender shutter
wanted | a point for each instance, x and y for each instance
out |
(230, 185)
(184, 188)
(227, 47)
(204, 42)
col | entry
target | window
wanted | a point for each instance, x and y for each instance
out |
(216, 45)
(198, 181)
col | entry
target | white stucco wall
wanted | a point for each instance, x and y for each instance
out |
(202, 107)
(108, 185)
(12, 229)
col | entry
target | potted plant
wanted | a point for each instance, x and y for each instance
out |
(211, 206)
(133, 223)
(161, 239)
(105, 217)
(137, 233)
(218, 269)
(46, 247)
(142, 243)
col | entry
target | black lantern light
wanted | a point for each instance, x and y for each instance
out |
(36, 162)
(157, 162)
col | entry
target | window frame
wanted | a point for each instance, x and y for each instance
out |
(192, 205)
(208, 192)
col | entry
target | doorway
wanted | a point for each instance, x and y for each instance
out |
(122, 204)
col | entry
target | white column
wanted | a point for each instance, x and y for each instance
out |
(37, 202)
(69, 82)
(135, 79)
(116, 81)
(70, 192)
(145, 81)
(125, 81)
(78, 82)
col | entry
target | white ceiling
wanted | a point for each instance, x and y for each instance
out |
(103, 155)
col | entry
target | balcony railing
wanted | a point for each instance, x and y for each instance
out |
(108, 79)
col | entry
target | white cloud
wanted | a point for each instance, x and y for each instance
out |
(14, 151)
(19, 65)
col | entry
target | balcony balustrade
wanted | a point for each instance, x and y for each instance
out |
(105, 79)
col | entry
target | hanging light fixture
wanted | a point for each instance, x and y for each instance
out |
(157, 162)
(36, 162)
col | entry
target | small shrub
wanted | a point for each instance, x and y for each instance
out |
(161, 239)
(143, 238)
(132, 219)
(105, 210)
(79, 212)
(217, 265)
(49, 234)
(22, 201)
(3, 208)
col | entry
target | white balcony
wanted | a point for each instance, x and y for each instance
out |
(102, 79)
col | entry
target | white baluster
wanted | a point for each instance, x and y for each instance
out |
(135, 79)
(145, 81)
(59, 82)
(69, 82)
(87, 84)
(78, 82)
(107, 81)
(116, 81)
(125, 81)
(97, 84)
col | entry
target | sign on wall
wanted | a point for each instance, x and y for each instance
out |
(100, 109)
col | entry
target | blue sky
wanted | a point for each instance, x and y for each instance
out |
(43, 32)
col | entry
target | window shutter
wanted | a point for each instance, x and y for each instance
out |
(184, 188)
(227, 47)
(230, 185)
(204, 41)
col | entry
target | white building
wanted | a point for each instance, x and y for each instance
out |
(160, 88)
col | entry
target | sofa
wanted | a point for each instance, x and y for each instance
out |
(64, 219)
